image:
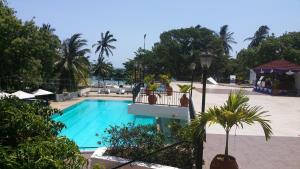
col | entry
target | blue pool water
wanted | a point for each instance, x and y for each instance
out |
(85, 119)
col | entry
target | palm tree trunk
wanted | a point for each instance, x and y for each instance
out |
(226, 146)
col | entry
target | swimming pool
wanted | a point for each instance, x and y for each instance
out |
(84, 119)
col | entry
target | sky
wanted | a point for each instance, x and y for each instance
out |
(129, 20)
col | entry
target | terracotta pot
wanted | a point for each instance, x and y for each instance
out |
(169, 90)
(152, 99)
(184, 101)
(219, 162)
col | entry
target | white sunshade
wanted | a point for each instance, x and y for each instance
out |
(23, 95)
(3, 94)
(41, 92)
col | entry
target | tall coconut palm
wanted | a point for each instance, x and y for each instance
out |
(226, 38)
(235, 112)
(102, 68)
(73, 66)
(104, 45)
(261, 34)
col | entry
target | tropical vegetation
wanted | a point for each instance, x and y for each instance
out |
(134, 142)
(29, 138)
(104, 45)
(73, 67)
(33, 56)
(236, 112)
(227, 39)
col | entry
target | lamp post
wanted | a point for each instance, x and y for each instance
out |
(205, 60)
(144, 72)
(140, 73)
(135, 66)
(192, 66)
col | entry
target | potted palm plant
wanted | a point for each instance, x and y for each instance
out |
(152, 97)
(184, 101)
(235, 112)
(148, 80)
(166, 80)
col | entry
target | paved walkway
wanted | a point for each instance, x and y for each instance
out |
(253, 152)
(284, 111)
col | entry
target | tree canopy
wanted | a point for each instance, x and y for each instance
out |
(27, 52)
(177, 49)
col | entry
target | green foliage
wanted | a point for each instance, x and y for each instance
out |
(152, 87)
(27, 52)
(73, 64)
(20, 121)
(184, 88)
(173, 54)
(102, 68)
(235, 112)
(226, 38)
(28, 138)
(165, 78)
(134, 142)
(131, 141)
(261, 34)
(104, 45)
(149, 79)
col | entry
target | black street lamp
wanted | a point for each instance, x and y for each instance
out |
(135, 66)
(192, 66)
(205, 60)
(140, 73)
(144, 72)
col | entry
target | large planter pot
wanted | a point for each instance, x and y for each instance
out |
(219, 162)
(169, 90)
(184, 101)
(152, 99)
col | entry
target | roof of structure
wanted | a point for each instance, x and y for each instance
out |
(278, 65)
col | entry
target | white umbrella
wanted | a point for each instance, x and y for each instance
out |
(23, 95)
(41, 92)
(3, 94)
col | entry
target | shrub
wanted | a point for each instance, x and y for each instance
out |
(29, 138)
(133, 142)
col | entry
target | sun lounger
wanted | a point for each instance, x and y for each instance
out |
(121, 91)
(105, 91)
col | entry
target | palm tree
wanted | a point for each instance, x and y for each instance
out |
(47, 27)
(104, 45)
(226, 38)
(73, 66)
(235, 112)
(261, 34)
(102, 68)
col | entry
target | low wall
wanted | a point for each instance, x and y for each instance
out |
(111, 161)
(84, 92)
(163, 111)
(66, 96)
